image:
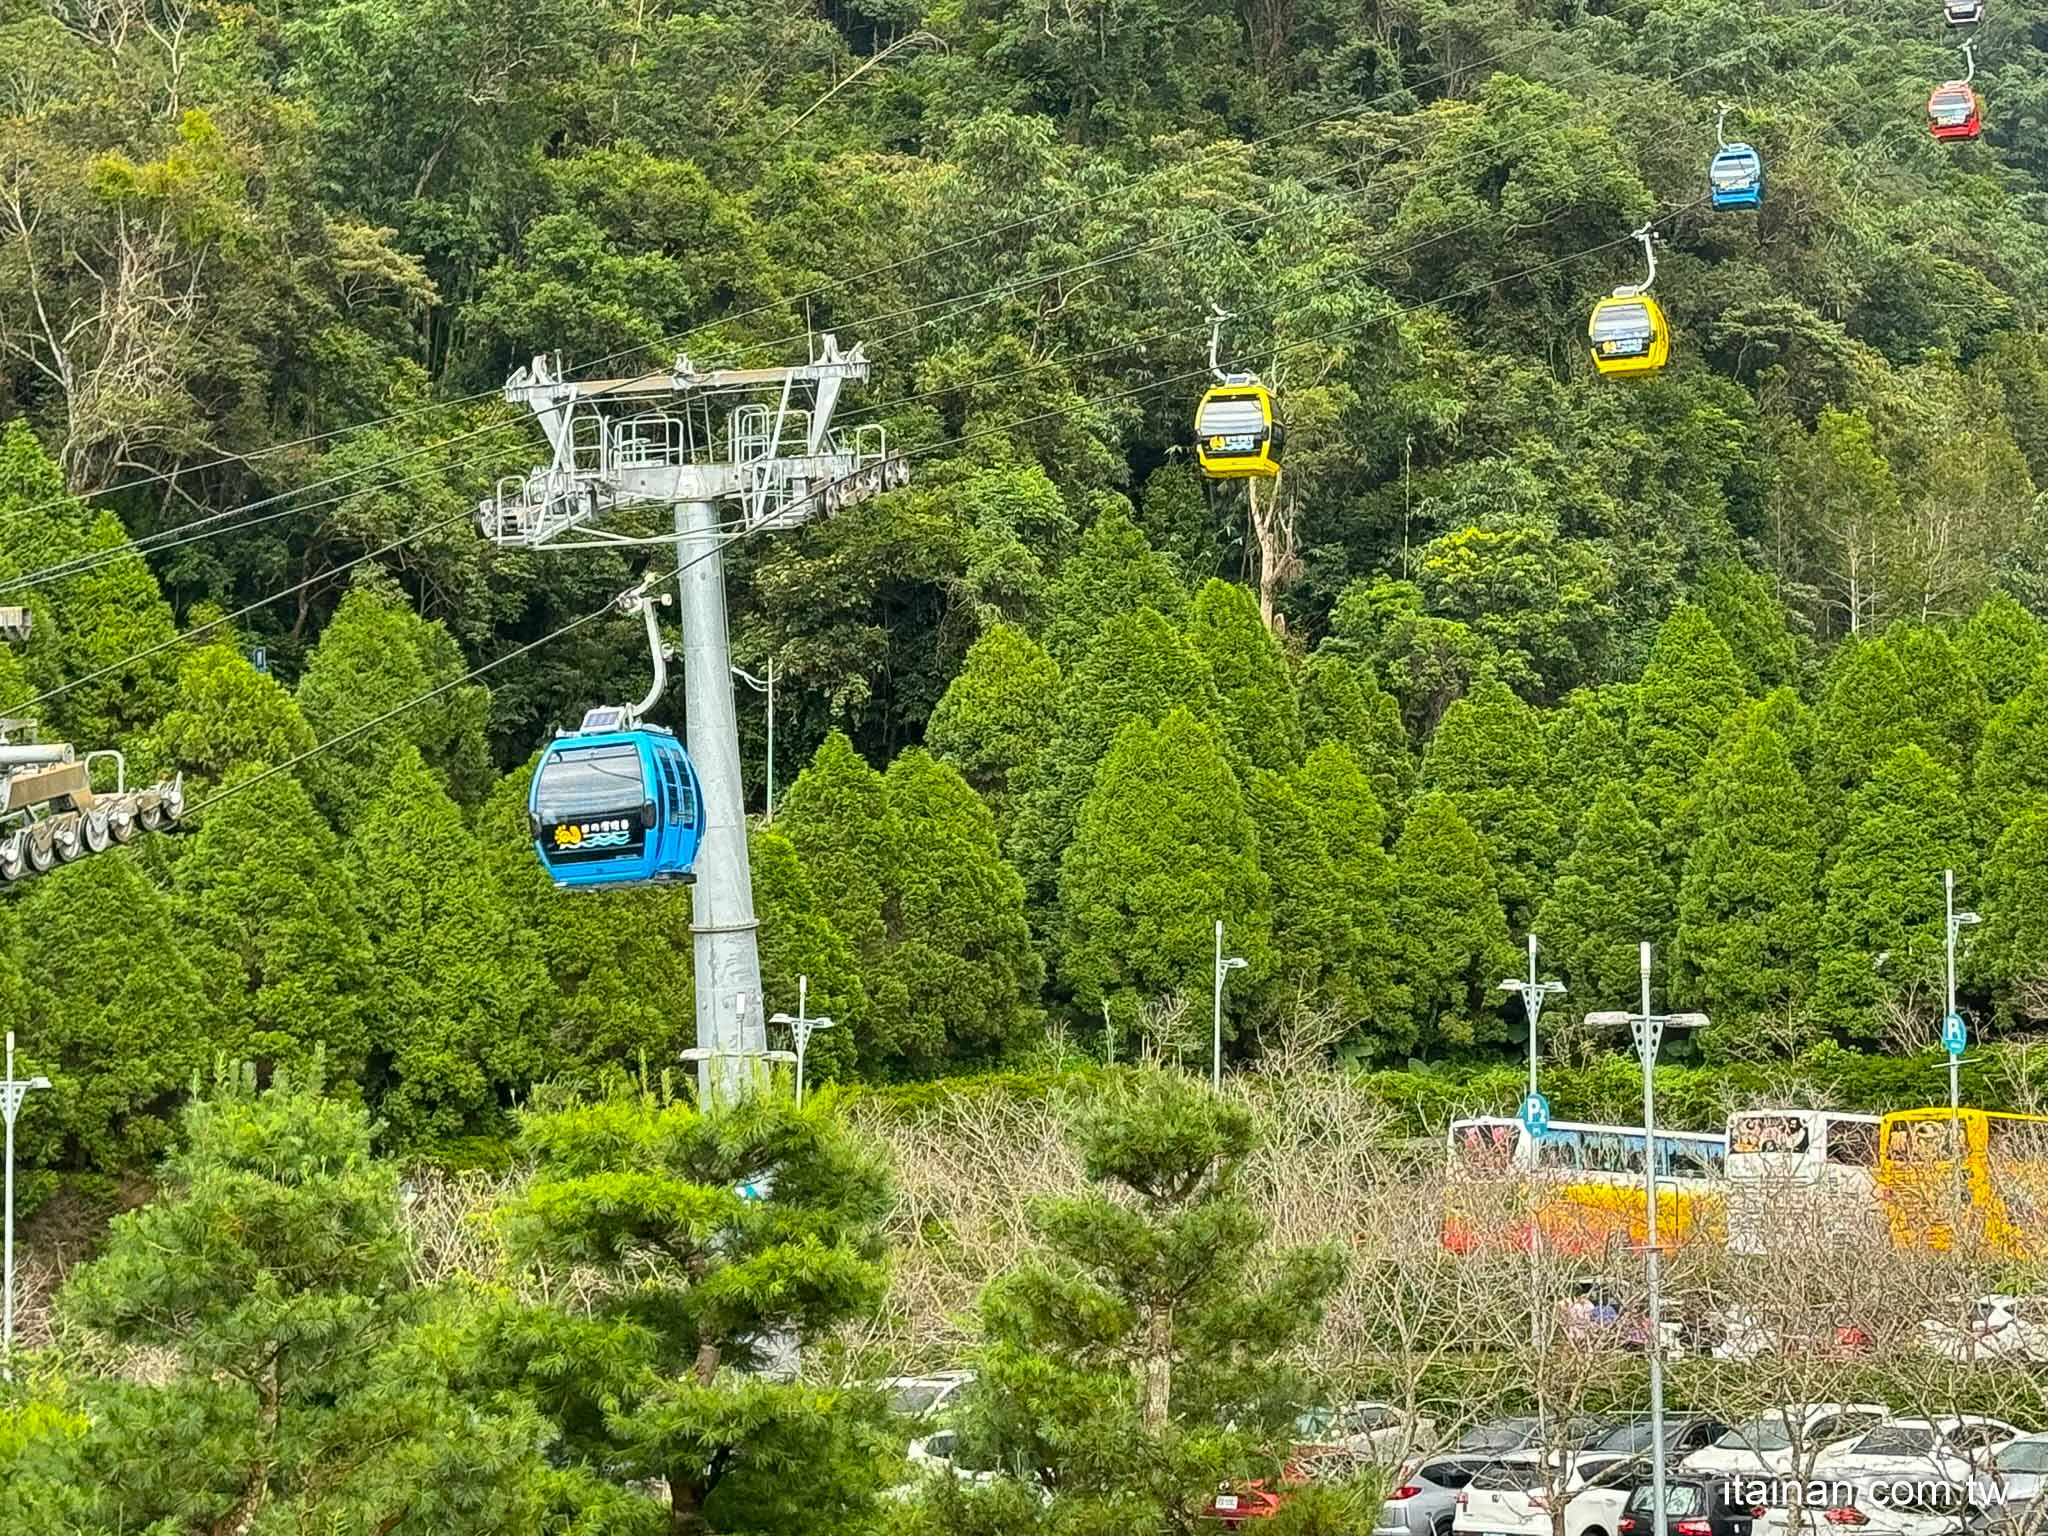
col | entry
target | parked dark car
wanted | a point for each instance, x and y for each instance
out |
(1684, 1433)
(1693, 1506)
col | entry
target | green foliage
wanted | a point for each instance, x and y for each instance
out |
(653, 1379)
(2014, 899)
(2012, 768)
(1137, 1358)
(1344, 704)
(1261, 720)
(2001, 642)
(1690, 686)
(225, 716)
(1163, 850)
(997, 713)
(1611, 894)
(1488, 759)
(803, 957)
(1453, 934)
(1113, 572)
(1747, 908)
(1882, 934)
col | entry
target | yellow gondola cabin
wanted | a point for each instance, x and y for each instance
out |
(1629, 334)
(1237, 436)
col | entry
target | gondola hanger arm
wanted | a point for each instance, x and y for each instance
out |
(642, 601)
(1721, 125)
(1217, 316)
(1636, 290)
(1969, 59)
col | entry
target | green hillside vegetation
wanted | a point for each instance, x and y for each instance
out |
(1736, 659)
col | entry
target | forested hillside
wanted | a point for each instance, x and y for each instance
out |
(1737, 658)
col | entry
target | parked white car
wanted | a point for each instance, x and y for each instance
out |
(1768, 1446)
(1957, 1449)
(1363, 1432)
(921, 1397)
(1999, 1327)
(1866, 1511)
(2018, 1473)
(1513, 1498)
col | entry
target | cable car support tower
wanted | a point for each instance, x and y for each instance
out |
(761, 442)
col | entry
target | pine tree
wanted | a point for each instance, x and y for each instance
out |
(618, 962)
(1342, 702)
(1611, 894)
(1747, 907)
(106, 618)
(121, 1021)
(997, 714)
(226, 715)
(374, 656)
(275, 935)
(1882, 935)
(1144, 1352)
(1309, 924)
(1454, 936)
(1260, 718)
(1690, 686)
(1750, 618)
(2014, 943)
(1113, 573)
(41, 524)
(1947, 704)
(458, 1015)
(655, 1382)
(961, 950)
(1163, 849)
(1139, 668)
(1365, 980)
(837, 816)
(2012, 764)
(798, 943)
(1866, 713)
(297, 1381)
(1588, 749)
(1488, 757)
(2001, 644)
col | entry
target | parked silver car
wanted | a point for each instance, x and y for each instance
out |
(1425, 1500)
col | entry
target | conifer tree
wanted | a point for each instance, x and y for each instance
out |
(458, 1009)
(1365, 979)
(1747, 906)
(107, 616)
(1342, 702)
(1309, 936)
(226, 715)
(617, 962)
(1162, 850)
(2014, 942)
(961, 950)
(1612, 892)
(121, 1019)
(40, 523)
(1138, 668)
(655, 1383)
(1947, 704)
(997, 714)
(1454, 936)
(374, 656)
(838, 817)
(1739, 600)
(1882, 934)
(1114, 572)
(1144, 1353)
(2001, 644)
(276, 938)
(2012, 764)
(1691, 685)
(799, 943)
(1588, 750)
(1488, 757)
(1866, 714)
(1260, 717)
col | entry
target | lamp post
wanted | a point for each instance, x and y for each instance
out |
(701, 1055)
(13, 1090)
(1223, 968)
(800, 1029)
(1648, 1029)
(765, 685)
(1954, 1037)
(1535, 1115)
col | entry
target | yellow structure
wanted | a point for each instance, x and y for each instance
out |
(1973, 1173)
(1237, 436)
(1629, 334)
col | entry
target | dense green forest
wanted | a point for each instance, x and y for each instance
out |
(1738, 658)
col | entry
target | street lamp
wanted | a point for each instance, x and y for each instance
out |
(13, 1090)
(765, 685)
(1648, 1029)
(1535, 1113)
(800, 1029)
(1223, 968)
(700, 1055)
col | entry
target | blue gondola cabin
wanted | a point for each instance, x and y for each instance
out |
(612, 805)
(1736, 178)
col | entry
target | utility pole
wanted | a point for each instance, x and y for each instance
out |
(1955, 1037)
(13, 1090)
(801, 1028)
(1224, 966)
(697, 440)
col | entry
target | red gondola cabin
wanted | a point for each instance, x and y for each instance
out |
(1954, 111)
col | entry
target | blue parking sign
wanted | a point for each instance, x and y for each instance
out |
(1535, 1114)
(1955, 1034)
